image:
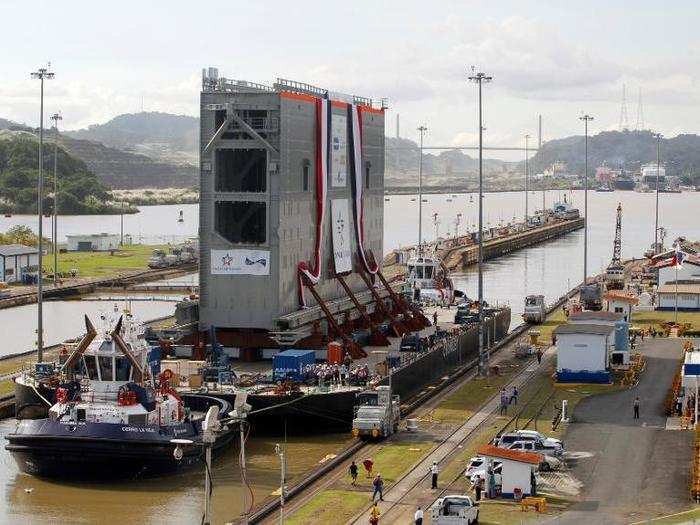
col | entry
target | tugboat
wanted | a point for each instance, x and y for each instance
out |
(112, 418)
(428, 280)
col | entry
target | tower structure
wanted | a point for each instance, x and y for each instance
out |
(615, 273)
(292, 195)
(624, 120)
(640, 112)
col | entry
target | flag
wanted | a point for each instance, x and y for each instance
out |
(678, 256)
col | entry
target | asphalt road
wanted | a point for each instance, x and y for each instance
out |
(637, 469)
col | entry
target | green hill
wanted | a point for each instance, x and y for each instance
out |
(627, 149)
(80, 192)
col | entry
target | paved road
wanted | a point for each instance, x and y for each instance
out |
(638, 470)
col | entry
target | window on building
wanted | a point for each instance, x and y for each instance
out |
(241, 221)
(241, 170)
(9, 271)
(305, 165)
(367, 167)
(105, 368)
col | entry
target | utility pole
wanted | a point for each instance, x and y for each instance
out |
(421, 130)
(539, 133)
(42, 74)
(436, 223)
(55, 117)
(657, 248)
(586, 119)
(121, 226)
(479, 79)
(527, 176)
(283, 474)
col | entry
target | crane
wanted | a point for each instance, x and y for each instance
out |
(615, 273)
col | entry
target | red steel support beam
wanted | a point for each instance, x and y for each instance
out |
(396, 325)
(376, 337)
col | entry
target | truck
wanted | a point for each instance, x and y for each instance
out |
(157, 259)
(592, 296)
(378, 414)
(535, 309)
(454, 510)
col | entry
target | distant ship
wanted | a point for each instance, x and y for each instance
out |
(625, 183)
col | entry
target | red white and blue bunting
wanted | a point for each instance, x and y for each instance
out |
(323, 115)
(355, 150)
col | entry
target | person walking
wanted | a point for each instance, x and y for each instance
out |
(435, 317)
(368, 464)
(514, 396)
(504, 402)
(477, 488)
(418, 517)
(539, 356)
(378, 485)
(434, 470)
(636, 408)
(374, 514)
(353, 473)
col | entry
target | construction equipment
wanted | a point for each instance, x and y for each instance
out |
(615, 273)
(378, 415)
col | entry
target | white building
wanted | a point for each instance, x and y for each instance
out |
(688, 296)
(95, 242)
(583, 352)
(621, 303)
(518, 468)
(690, 271)
(16, 260)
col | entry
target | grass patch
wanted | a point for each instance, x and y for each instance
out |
(395, 458)
(101, 264)
(330, 506)
(545, 329)
(681, 517)
(6, 387)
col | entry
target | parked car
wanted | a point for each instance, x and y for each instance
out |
(410, 343)
(548, 441)
(497, 471)
(477, 464)
(548, 463)
(552, 447)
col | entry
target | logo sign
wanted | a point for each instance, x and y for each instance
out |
(339, 151)
(341, 225)
(240, 262)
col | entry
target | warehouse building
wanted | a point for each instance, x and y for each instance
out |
(685, 295)
(291, 184)
(93, 242)
(17, 260)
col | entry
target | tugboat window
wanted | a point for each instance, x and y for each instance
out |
(241, 170)
(91, 366)
(105, 368)
(241, 221)
(123, 368)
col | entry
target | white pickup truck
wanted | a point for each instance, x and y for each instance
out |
(454, 510)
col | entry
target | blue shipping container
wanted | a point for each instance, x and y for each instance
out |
(290, 364)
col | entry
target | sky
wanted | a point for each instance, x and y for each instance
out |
(545, 57)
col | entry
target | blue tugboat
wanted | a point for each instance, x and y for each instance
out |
(113, 418)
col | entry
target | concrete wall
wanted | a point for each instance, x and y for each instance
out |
(582, 352)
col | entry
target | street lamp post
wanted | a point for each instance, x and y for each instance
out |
(586, 119)
(479, 79)
(42, 74)
(55, 117)
(657, 248)
(527, 177)
(421, 130)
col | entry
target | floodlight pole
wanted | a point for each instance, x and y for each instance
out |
(479, 79)
(421, 130)
(55, 117)
(586, 119)
(657, 248)
(42, 73)
(527, 177)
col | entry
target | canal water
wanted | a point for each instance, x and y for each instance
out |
(550, 269)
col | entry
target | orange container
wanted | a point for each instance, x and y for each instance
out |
(335, 353)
